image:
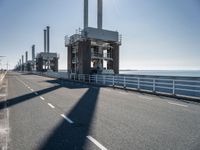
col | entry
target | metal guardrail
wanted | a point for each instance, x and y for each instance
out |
(176, 87)
(2, 76)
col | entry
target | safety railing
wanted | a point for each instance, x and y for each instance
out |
(189, 87)
(2, 76)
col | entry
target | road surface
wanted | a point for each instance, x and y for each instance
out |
(49, 114)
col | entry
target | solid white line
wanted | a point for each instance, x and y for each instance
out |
(177, 104)
(96, 143)
(51, 105)
(7, 121)
(66, 118)
(42, 98)
(3, 76)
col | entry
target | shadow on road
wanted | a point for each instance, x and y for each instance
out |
(66, 136)
(73, 136)
(67, 84)
(56, 84)
(29, 96)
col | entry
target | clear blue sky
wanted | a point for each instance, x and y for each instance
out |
(157, 34)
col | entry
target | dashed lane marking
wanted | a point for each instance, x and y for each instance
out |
(66, 118)
(96, 143)
(51, 105)
(42, 98)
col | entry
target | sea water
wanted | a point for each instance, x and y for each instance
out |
(182, 73)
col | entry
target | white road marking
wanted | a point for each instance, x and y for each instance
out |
(66, 118)
(6, 129)
(3, 76)
(2, 95)
(124, 93)
(177, 104)
(96, 143)
(42, 98)
(145, 97)
(51, 105)
(31, 89)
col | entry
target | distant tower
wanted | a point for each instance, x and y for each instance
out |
(94, 50)
(33, 57)
(22, 69)
(47, 60)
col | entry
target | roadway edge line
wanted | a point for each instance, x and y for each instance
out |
(177, 104)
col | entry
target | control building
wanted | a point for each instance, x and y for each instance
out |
(47, 61)
(93, 50)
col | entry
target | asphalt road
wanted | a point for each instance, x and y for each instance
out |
(51, 114)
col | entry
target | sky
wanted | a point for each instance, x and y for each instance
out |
(156, 34)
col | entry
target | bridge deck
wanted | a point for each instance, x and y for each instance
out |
(47, 113)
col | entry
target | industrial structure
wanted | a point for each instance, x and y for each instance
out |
(22, 64)
(93, 50)
(46, 61)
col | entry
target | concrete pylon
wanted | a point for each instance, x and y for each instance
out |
(99, 14)
(85, 14)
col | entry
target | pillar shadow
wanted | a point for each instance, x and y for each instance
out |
(56, 85)
(73, 136)
(29, 96)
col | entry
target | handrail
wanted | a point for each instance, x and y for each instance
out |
(169, 86)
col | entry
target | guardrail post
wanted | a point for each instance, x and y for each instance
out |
(124, 81)
(96, 78)
(173, 87)
(89, 78)
(138, 84)
(154, 85)
(113, 81)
